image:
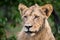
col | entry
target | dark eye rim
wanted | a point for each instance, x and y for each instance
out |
(36, 16)
(25, 16)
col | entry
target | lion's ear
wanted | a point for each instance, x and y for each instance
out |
(21, 7)
(47, 9)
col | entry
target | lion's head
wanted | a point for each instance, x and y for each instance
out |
(34, 16)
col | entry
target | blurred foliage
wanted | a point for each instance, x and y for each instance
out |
(10, 18)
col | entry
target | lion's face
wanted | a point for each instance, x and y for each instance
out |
(33, 19)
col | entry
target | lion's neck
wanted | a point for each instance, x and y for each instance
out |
(44, 32)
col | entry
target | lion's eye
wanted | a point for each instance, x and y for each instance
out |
(36, 16)
(25, 16)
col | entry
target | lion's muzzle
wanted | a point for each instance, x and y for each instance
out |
(28, 26)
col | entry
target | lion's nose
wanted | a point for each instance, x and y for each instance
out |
(28, 27)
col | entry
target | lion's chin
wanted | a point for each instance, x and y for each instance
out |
(31, 34)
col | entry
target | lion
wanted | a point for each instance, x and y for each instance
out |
(35, 23)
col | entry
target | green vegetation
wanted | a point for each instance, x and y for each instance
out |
(10, 18)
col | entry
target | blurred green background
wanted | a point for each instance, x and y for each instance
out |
(10, 18)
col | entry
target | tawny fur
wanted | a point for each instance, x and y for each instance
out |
(44, 34)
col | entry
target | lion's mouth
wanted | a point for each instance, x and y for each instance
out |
(29, 32)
